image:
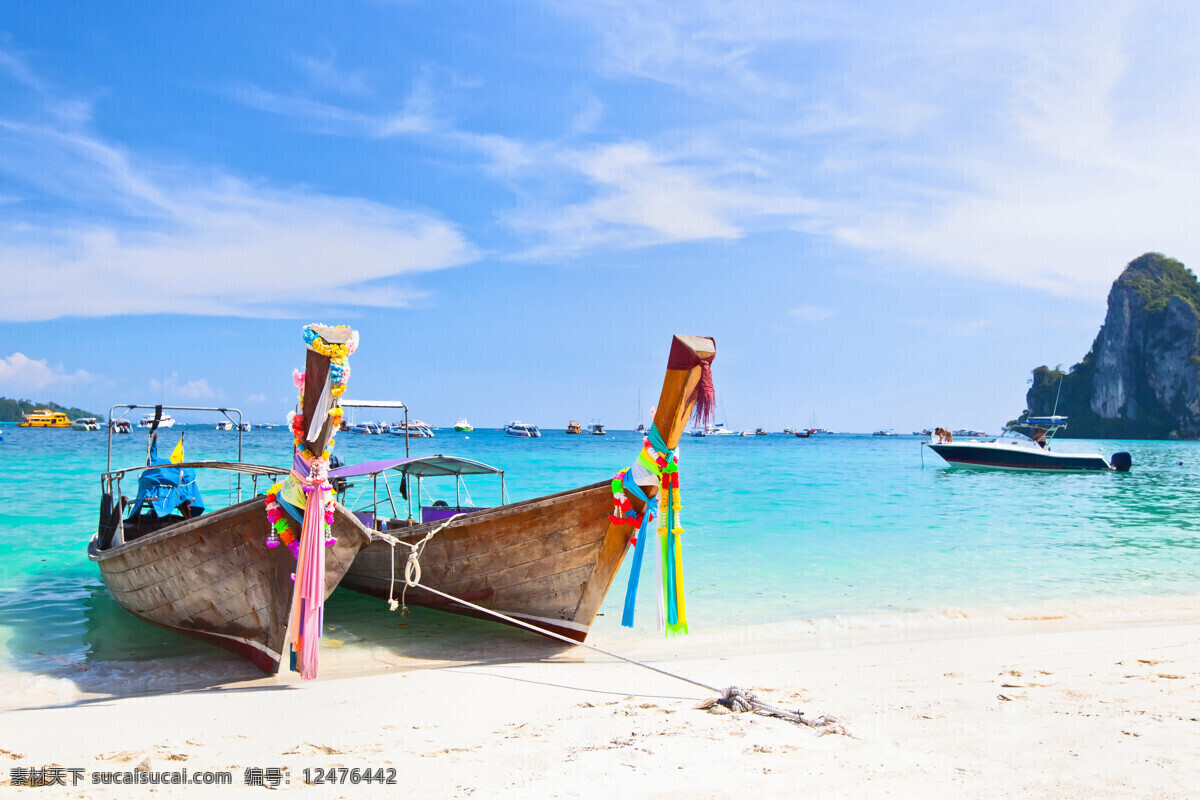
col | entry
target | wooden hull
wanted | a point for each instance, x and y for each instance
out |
(548, 562)
(214, 578)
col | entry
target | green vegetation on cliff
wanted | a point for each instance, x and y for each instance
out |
(11, 410)
(1141, 377)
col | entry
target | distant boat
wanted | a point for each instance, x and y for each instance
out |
(888, 432)
(574, 427)
(522, 429)
(803, 434)
(120, 426)
(416, 429)
(969, 432)
(366, 428)
(44, 418)
(1014, 449)
(462, 426)
(225, 425)
(596, 428)
(85, 424)
(165, 421)
(759, 432)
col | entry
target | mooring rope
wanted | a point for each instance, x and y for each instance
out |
(731, 697)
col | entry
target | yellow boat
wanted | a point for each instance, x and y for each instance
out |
(44, 418)
(574, 427)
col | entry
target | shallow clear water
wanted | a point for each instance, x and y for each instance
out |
(828, 530)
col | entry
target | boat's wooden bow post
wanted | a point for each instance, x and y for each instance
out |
(677, 401)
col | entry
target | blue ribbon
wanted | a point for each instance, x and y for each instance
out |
(635, 569)
(649, 512)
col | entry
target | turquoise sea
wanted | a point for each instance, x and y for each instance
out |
(832, 532)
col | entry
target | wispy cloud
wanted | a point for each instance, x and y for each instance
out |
(811, 314)
(197, 389)
(950, 327)
(20, 373)
(143, 237)
(1037, 145)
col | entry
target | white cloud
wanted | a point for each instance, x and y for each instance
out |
(811, 314)
(1031, 144)
(162, 238)
(192, 390)
(19, 373)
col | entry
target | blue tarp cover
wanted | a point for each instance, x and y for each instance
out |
(167, 488)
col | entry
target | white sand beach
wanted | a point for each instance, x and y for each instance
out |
(1047, 709)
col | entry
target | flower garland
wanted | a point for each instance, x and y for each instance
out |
(339, 372)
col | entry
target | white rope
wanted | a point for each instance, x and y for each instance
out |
(731, 697)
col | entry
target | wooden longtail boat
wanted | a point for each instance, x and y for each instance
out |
(211, 575)
(548, 561)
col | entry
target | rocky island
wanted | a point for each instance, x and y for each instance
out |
(1141, 379)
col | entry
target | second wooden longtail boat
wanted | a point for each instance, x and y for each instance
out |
(214, 575)
(548, 561)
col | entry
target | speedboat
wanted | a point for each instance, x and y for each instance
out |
(718, 429)
(120, 425)
(462, 426)
(367, 428)
(522, 429)
(85, 424)
(165, 421)
(225, 425)
(596, 428)
(416, 429)
(1016, 449)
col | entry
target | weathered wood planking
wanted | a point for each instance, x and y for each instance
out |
(213, 577)
(548, 561)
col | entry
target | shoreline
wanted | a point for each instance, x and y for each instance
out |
(1045, 708)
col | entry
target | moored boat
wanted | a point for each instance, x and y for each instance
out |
(548, 561)
(120, 425)
(522, 430)
(462, 426)
(44, 418)
(85, 424)
(1016, 450)
(220, 576)
(596, 428)
(148, 421)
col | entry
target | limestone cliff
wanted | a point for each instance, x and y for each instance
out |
(1141, 379)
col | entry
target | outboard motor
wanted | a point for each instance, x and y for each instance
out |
(1121, 462)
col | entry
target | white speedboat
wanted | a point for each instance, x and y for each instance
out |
(416, 429)
(85, 424)
(522, 429)
(120, 426)
(366, 428)
(1015, 449)
(225, 425)
(166, 421)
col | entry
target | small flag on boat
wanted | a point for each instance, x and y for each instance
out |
(177, 453)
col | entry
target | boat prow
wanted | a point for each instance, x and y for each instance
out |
(214, 578)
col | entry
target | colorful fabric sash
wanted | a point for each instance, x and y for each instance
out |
(655, 464)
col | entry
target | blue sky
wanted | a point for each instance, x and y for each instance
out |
(887, 214)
